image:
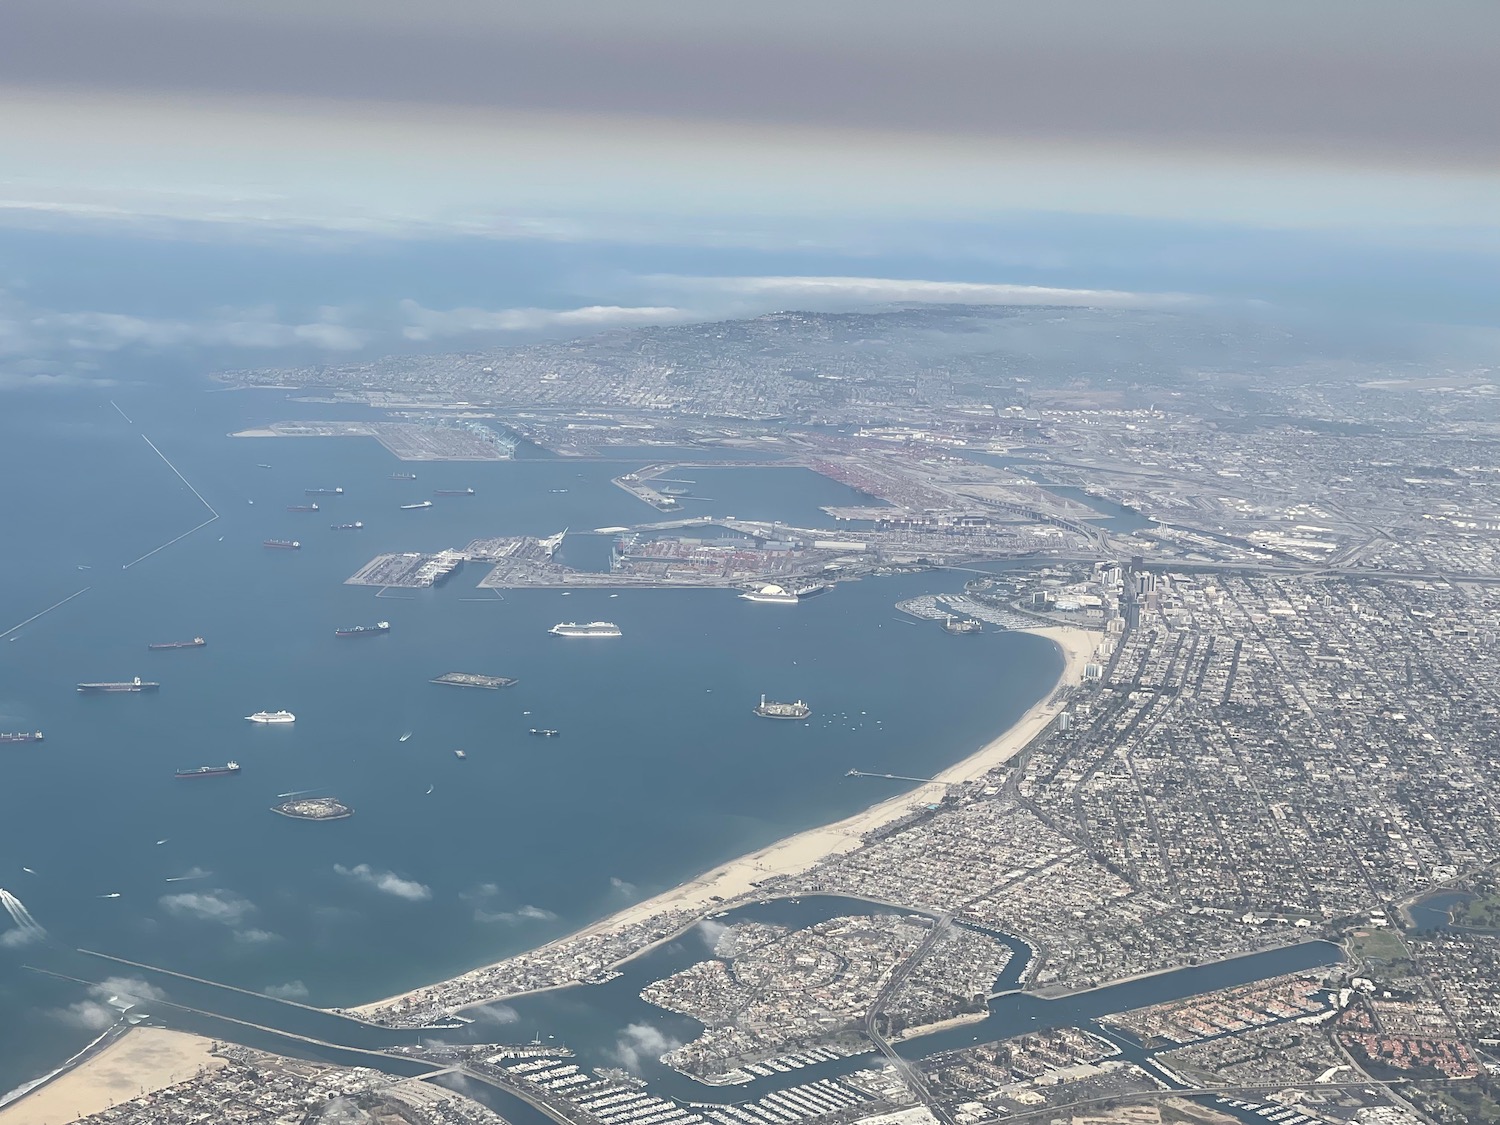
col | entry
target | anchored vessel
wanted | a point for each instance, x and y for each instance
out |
(283, 544)
(364, 630)
(323, 491)
(272, 717)
(211, 771)
(459, 754)
(544, 732)
(592, 629)
(418, 504)
(770, 709)
(472, 679)
(314, 808)
(196, 642)
(403, 476)
(453, 492)
(355, 526)
(302, 507)
(136, 684)
(961, 625)
(22, 736)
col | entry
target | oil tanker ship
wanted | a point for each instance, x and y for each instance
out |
(453, 492)
(22, 736)
(403, 476)
(228, 768)
(363, 630)
(136, 684)
(196, 642)
(283, 544)
(322, 492)
(417, 506)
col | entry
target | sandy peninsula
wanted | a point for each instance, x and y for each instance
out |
(795, 854)
(143, 1060)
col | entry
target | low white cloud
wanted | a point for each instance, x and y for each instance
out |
(526, 913)
(254, 936)
(821, 291)
(621, 887)
(386, 882)
(640, 1043)
(105, 1001)
(21, 936)
(223, 907)
(711, 932)
(431, 324)
(496, 1014)
(291, 990)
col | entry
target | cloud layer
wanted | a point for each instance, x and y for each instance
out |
(386, 882)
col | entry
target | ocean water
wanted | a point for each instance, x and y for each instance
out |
(659, 773)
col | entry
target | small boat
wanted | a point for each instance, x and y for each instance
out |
(112, 894)
(429, 792)
(404, 737)
(459, 754)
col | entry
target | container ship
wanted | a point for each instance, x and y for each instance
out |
(769, 709)
(272, 717)
(136, 684)
(363, 630)
(592, 629)
(355, 526)
(22, 736)
(228, 768)
(544, 732)
(322, 492)
(453, 492)
(196, 642)
(418, 504)
(403, 476)
(283, 544)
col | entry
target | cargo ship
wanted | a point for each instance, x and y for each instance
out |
(363, 630)
(592, 629)
(228, 768)
(418, 504)
(302, 507)
(355, 526)
(22, 736)
(453, 492)
(543, 732)
(283, 544)
(196, 642)
(136, 684)
(776, 595)
(272, 717)
(322, 492)
(769, 709)
(403, 476)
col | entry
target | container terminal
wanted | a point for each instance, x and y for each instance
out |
(472, 680)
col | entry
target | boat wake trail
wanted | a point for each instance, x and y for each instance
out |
(213, 513)
(27, 927)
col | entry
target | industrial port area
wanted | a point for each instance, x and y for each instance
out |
(1240, 864)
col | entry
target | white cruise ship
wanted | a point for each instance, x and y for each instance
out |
(777, 595)
(592, 629)
(272, 717)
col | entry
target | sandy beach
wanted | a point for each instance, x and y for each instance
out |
(796, 854)
(143, 1060)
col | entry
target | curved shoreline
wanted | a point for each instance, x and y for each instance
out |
(795, 854)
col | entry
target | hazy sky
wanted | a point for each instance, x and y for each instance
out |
(372, 112)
